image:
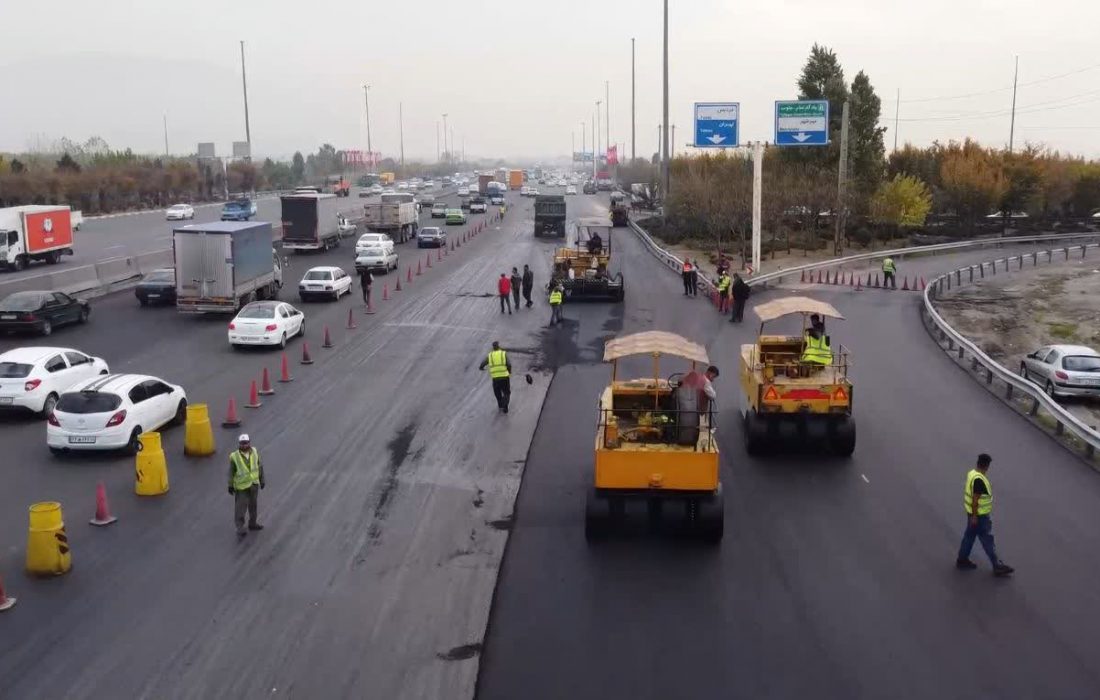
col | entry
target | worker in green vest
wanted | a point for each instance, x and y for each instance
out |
(246, 478)
(556, 294)
(889, 272)
(978, 504)
(723, 291)
(500, 372)
(817, 351)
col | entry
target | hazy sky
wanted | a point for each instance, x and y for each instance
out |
(517, 77)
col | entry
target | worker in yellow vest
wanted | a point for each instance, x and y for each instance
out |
(978, 504)
(246, 478)
(889, 272)
(817, 352)
(500, 372)
(556, 297)
(723, 291)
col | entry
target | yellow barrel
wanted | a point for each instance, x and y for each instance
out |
(150, 467)
(47, 544)
(198, 437)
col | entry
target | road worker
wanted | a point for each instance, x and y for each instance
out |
(723, 291)
(556, 294)
(889, 272)
(500, 372)
(689, 284)
(246, 478)
(978, 504)
(817, 353)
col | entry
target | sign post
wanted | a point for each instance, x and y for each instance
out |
(717, 124)
(802, 123)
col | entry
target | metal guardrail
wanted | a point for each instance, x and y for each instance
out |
(965, 349)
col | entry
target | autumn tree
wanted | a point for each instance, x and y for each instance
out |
(902, 202)
(972, 181)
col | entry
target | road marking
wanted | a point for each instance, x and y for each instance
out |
(864, 476)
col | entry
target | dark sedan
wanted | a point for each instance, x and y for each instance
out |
(41, 312)
(431, 237)
(157, 287)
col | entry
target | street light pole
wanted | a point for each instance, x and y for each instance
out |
(401, 132)
(436, 140)
(664, 145)
(597, 159)
(366, 101)
(633, 155)
(446, 151)
(607, 114)
(244, 87)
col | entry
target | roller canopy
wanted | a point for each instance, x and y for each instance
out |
(651, 342)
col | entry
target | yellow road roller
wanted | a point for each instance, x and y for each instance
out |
(656, 453)
(795, 388)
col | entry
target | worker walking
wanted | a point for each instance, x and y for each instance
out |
(723, 291)
(515, 281)
(366, 279)
(978, 504)
(528, 285)
(500, 372)
(889, 273)
(555, 304)
(689, 286)
(246, 478)
(504, 288)
(740, 292)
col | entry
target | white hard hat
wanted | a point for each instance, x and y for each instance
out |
(243, 438)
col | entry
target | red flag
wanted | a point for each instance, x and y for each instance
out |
(612, 155)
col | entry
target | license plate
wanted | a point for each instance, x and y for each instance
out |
(6, 400)
(82, 439)
(153, 296)
(250, 339)
(7, 317)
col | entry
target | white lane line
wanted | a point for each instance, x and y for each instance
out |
(864, 476)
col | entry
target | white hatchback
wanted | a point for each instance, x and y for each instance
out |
(110, 412)
(266, 323)
(327, 281)
(32, 378)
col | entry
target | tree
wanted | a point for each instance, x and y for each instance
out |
(903, 202)
(822, 79)
(972, 181)
(298, 167)
(866, 152)
(17, 166)
(1022, 182)
(67, 164)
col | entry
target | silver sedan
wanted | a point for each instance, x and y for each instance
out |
(1064, 370)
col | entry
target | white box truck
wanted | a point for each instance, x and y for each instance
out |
(223, 265)
(34, 233)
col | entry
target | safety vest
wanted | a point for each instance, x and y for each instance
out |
(687, 266)
(498, 364)
(888, 265)
(817, 351)
(723, 283)
(555, 297)
(985, 502)
(245, 473)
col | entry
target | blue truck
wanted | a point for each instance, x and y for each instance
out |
(239, 210)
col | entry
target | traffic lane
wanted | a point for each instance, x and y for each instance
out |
(419, 521)
(849, 581)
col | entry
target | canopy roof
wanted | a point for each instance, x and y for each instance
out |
(795, 305)
(650, 342)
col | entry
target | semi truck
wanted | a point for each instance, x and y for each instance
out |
(515, 179)
(395, 214)
(310, 221)
(550, 215)
(223, 265)
(34, 233)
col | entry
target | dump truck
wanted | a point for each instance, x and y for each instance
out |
(386, 179)
(34, 233)
(550, 215)
(515, 179)
(223, 265)
(338, 185)
(310, 221)
(395, 214)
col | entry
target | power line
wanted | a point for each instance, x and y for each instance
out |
(994, 91)
(1092, 96)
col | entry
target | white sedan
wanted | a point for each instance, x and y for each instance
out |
(266, 323)
(110, 412)
(326, 281)
(463, 191)
(32, 378)
(571, 189)
(178, 212)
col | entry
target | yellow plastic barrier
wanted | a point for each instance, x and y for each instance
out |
(47, 544)
(198, 437)
(150, 467)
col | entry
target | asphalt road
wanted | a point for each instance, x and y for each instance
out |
(392, 482)
(835, 578)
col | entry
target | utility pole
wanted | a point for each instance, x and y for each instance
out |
(436, 140)
(584, 140)
(244, 86)
(366, 100)
(633, 155)
(672, 149)
(664, 144)
(596, 139)
(572, 148)
(446, 151)
(452, 143)
(607, 114)
(897, 113)
(401, 133)
(842, 182)
(166, 135)
(660, 153)
(1012, 124)
(757, 200)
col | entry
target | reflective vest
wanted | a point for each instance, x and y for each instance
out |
(687, 266)
(724, 283)
(985, 502)
(888, 265)
(817, 351)
(498, 364)
(555, 297)
(245, 473)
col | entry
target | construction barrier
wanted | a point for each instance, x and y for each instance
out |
(150, 467)
(116, 270)
(47, 544)
(198, 437)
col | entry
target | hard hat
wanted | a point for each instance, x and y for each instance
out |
(243, 438)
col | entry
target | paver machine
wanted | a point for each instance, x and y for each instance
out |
(795, 388)
(619, 212)
(656, 457)
(583, 269)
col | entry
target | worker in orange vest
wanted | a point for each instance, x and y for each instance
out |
(689, 279)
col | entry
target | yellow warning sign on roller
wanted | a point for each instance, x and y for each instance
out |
(150, 467)
(47, 544)
(198, 437)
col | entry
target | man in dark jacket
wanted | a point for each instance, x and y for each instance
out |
(516, 281)
(740, 292)
(365, 281)
(528, 285)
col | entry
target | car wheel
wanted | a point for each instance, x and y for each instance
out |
(302, 330)
(48, 405)
(84, 315)
(1023, 372)
(46, 328)
(181, 413)
(134, 445)
(282, 341)
(1050, 390)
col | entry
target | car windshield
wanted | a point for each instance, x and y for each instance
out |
(163, 276)
(178, 207)
(22, 301)
(14, 370)
(88, 402)
(264, 311)
(318, 275)
(1081, 363)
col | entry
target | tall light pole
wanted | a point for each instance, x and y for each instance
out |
(607, 114)
(244, 87)
(584, 139)
(366, 101)
(632, 125)
(1012, 123)
(597, 137)
(436, 140)
(664, 145)
(446, 151)
(595, 146)
(166, 135)
(401, 133)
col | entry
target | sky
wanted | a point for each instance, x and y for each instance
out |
(520, 79)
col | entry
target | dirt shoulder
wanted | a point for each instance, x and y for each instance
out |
(1008, 316)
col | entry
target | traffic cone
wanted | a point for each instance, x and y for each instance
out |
(439, 254)
(370, 307)
(827, 277)
(458, 243)
(306, 359)
(859, 285)
(876, 280)
(463, 237)
(428, 260)
(836, 278)
(351, 321)
(802, 279)
(102, 512)
(253, 396)
(905, 284)
(819, 276)
(452, 245)
(328, 339)
(231, 418)
(6, 601)
(419, 270)
(409, 276)
(284, 371)
(923, 286)
(397, 287)
(386, 292)
(265, 387)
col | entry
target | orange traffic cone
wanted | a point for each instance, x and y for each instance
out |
(397, 287)
(306, 358)
(370, 307)
(859, 285)
(351, 321)
(439, 254)
(419, 271)
(905, 284)
(428, 260)
(231, 418)
(409, 276)
(265, 386)
(802, 279)
(876, 280)
(458, 244)
(452, 245)
(102, 512)
(6, 601)
(284, 371)
(328, 339)
(819, 276)
(253, 396)
(386, 292)
(923, 286)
